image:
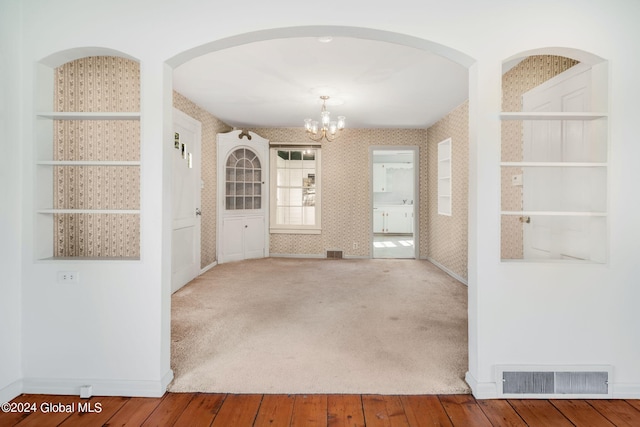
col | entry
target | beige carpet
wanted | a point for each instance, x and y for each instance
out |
(282, 325)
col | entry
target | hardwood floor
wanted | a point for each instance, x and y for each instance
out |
(238, 410)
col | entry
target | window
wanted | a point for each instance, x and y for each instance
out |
(295, 190)
(243, 180)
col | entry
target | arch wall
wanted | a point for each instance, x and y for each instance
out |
(559, 314)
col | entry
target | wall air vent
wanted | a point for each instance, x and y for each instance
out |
(559, 382)
(334, 254)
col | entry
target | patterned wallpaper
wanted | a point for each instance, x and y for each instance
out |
(211, 126)
(113, 84)
(529, 73)
(97, 84)
(346, 193)
(447, 237)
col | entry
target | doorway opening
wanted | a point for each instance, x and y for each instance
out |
(394, 181)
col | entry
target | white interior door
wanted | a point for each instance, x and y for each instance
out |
(559, 189)
(185, 246)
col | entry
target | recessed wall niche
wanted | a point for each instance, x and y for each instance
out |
(554, 161)
(88, 160)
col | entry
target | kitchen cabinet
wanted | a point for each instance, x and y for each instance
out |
(380, 184)
(395, 219)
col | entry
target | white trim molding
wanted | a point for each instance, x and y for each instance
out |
(208, 267)
(486, 390)
(11, 391)
(449, 272)
(625, 391)
(99, 387)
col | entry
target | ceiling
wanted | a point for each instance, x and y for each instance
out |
(278, 83)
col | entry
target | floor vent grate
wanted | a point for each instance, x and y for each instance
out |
(334, 254)
(557, 383)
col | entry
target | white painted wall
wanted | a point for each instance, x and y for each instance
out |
(113, 328)
(10, 220)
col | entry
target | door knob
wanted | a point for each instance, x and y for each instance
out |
(525, 219)
(198, 212)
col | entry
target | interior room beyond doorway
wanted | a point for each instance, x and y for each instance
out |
(393, 196)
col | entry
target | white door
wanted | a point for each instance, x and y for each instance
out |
(185, 243)
(243, 196)
(559, 189)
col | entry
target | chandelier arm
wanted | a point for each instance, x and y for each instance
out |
(328, 137)
(315, 139)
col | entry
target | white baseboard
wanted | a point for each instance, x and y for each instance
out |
(208, 267)
(314, 256)
(481, 390)
(11, 391)
(489, 390)
(626, 391)
(449, 272)
(100, 387)
(297, 256)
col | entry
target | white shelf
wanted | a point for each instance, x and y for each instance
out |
(87, 163)
(553, 213)
(87, 258)
(551, 116)
(90, 116)
(89, 211)
(554, 164)
(444, 177)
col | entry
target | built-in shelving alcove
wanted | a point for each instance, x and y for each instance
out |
(87, 189)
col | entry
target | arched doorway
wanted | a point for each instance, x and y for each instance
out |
(315, 31)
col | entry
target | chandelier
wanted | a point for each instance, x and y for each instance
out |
(326, 128)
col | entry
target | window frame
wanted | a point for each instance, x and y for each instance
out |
(276, 228)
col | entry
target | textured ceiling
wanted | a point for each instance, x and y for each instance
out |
(277, 83)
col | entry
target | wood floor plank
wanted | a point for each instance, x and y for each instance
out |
(94, 411)
(275, 410)
(30, 403)
(383, 411)
(309, 410)
(238, 410)
(326, 410)
(424, 411)
(634, 402)
(463, 410)
(201, 410)
(619, 412)
(134, 412)
(345, 410)
(580, 413)
(539, 413)
(45, 416)
(169, 410)
(500, 413)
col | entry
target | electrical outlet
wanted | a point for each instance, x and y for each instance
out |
(68, 277)
(355, 245)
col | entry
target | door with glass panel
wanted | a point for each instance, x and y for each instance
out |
(242, 196)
